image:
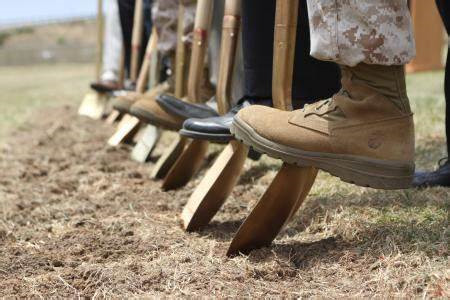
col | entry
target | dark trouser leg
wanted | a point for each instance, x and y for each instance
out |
(148, 24)
(444, 10)
(313, 79)
(126, 12)
(258, 19)
(447, 101)
(440, 177)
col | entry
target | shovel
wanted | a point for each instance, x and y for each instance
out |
(94, 103)
(166, 161)
(129, 125)
(220, 179)
(173, 166)
(292, 184)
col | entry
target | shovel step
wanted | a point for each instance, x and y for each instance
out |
(146, 144)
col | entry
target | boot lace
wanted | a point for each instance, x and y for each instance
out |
(317, 105)
(443, 161)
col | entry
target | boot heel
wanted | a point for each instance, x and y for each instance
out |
(373, 175)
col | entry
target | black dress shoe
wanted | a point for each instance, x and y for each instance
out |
(217, 129)
(186, 110)
(440, 177)
(105, 86)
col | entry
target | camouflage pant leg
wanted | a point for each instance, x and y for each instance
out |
(353, 31)
(165, 19)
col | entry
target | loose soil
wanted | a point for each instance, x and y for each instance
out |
(80, 219)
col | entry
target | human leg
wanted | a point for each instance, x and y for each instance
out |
(313, 79)
(364, 134)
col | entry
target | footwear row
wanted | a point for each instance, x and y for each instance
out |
(360, 130)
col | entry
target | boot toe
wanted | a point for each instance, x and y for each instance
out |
(150, 112)
(215, 129)
(262, 124)
(266, 121)
(169, 100)
(185, 109)
(209, 125)
(253, 115)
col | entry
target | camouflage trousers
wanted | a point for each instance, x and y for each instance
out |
(165, 18)
(352, 31)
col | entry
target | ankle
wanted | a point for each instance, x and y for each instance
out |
(388, 81)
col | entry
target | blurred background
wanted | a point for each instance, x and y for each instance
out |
(47, 31)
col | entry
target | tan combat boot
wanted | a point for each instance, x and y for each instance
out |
(124, 102)
(149, 111)
(364, 134)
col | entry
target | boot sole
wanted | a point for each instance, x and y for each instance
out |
(361, 171)
(215, 138)
(152, 119)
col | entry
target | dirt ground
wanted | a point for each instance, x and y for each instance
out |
(80, 219)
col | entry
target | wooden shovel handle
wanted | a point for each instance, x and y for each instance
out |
(136, 39)
(284, 52)
(292, 184)
(122, 68)
(199, 46)
(100, 36)
(230, 33)
(180, 55)
(145, 68)
(223, 175)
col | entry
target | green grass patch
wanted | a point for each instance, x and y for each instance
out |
(3, 37)
(27, 88)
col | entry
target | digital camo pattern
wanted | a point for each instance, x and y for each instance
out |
(353, 31)
(165, 18)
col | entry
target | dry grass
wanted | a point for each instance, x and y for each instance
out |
(25, 88)
(79, 219)
(55, 43)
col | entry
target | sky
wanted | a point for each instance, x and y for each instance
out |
(22, 11)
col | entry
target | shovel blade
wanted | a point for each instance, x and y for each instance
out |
(168, 159)
(186, 166)
(279, 203)
(215, 187)
(93, 105)
(126, 129)
(146, 144)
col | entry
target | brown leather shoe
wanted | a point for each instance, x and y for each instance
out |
(105, 86)
(124, 102)
(364, 134)
(149, 111)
